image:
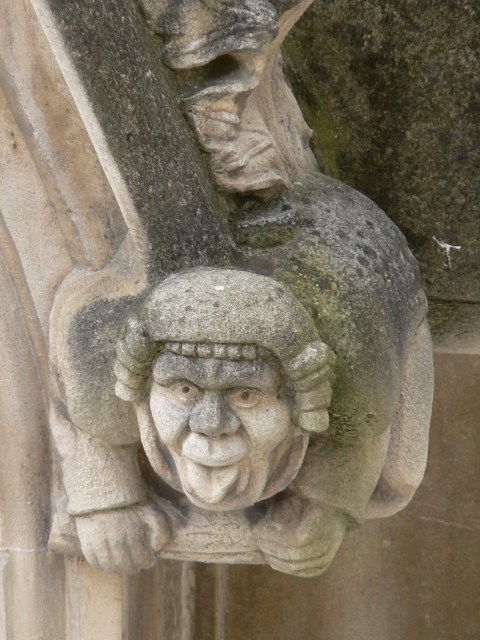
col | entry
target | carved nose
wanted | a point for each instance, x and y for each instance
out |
(213, 416)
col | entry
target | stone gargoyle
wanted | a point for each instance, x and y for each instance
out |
(254, 406)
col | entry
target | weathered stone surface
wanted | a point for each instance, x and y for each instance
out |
(162, 214)
(391, 91)
(28, 578)
(344, 260)
(380, 409)
(415, 575)
(235, 94)
(175, 216)
(455, 326)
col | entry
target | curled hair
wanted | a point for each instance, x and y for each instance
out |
(310, 371)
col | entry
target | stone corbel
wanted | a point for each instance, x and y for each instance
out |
(251, 375)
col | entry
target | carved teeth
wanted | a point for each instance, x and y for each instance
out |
(219, 351)
(189, 349)
(262, 352)
(234, 352)
(249, 352)
(204, 350)
(174, 347)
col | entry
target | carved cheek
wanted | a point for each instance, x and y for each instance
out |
(269, 425)
(170, 419)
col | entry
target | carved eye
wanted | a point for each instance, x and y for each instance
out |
(185, 392)
(244, 398)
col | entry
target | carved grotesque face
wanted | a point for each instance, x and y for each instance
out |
(227, 425)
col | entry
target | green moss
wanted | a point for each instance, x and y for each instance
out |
(394, 102)
(327, 140)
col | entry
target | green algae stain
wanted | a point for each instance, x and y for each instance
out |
(314, 105)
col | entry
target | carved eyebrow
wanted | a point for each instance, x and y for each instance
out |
(168, 379)
(168, 370)
(253, 380)
(164, 372)
(232, 381)
(256, 389)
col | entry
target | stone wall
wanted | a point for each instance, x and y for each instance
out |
(392, 91)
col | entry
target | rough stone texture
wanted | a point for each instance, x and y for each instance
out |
(407, 576)
(415, 575)
(344, 260)
(392, 92)
(133, 102)
(455, 326)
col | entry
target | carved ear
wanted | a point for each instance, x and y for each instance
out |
(311, 373)
(406, 460)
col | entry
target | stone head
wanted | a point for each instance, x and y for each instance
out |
(228, 378)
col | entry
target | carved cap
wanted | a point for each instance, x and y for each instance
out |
(229, 307)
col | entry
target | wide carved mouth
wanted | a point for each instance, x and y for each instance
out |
(218, 451)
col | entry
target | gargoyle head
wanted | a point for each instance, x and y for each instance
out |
(228, 377)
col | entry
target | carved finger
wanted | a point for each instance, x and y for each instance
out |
(104, 557)
(90, 556)
(302, 573)
(92, 543)
(120, 559)
(303, 568)
(159, 532)
(295, 554)
(140, 554)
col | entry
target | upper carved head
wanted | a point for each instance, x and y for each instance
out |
(228, 378)
(197, 31)
(227, 53)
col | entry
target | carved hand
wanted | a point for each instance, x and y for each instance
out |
(300, 537)
(123, 539)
